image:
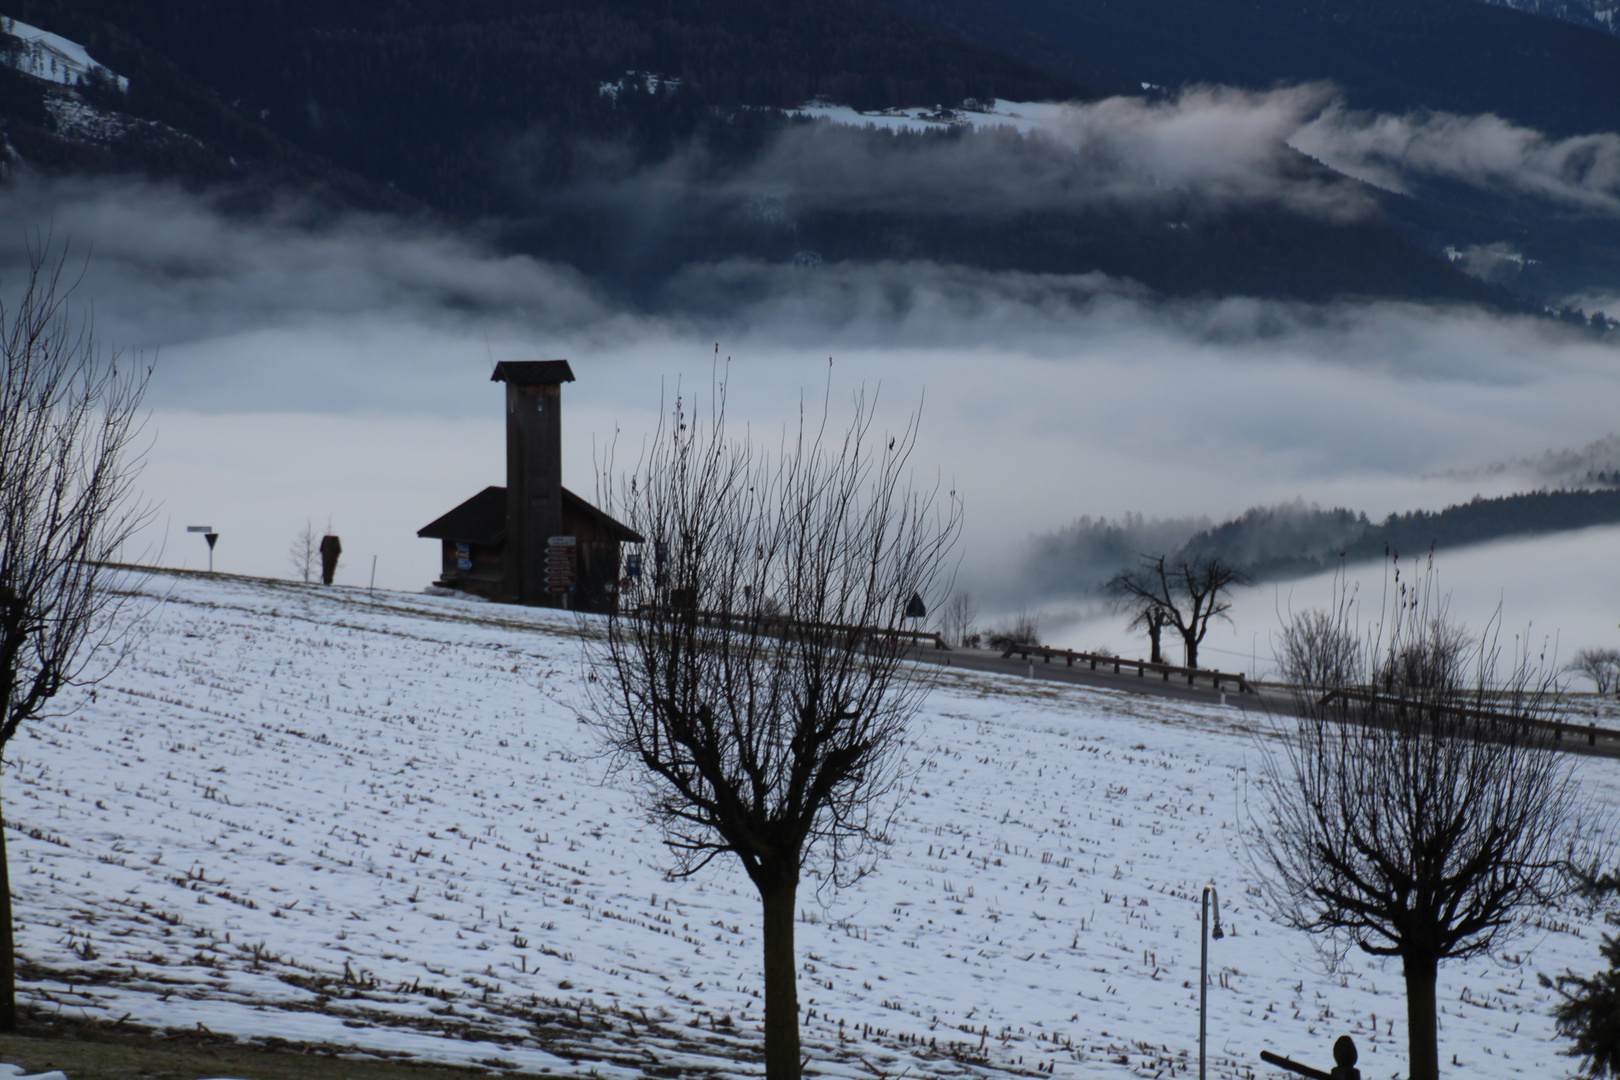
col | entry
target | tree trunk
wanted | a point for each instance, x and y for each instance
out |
(1155, 632)
(1422, 1036)
(1192, 651)
(8, 955)
(781, 981)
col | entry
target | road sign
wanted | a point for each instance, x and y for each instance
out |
(209, 535)
(562, 564)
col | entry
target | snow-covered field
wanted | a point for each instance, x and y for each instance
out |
(304, 814)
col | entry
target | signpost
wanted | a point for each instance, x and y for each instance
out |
(209, 535)
(1209, 897)
(562, 565)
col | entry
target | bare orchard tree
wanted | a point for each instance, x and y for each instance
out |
(1185, 595)
(1319, 647)
(957, 623)
(70, 422)
(753, 681)
(1602, 666)
(1024, 628)
(304, 553)
(1424, 815)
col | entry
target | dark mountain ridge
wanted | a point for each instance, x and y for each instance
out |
(560, 128)
(1272, 543)
(1398, 56)
(433, 95)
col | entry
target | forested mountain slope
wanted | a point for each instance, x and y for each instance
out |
(1459, 56)
(437, 96)
(639, 138)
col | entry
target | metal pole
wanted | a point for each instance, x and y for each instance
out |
(1209, 896)
(372, 589)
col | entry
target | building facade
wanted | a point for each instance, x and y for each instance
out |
(533, 541)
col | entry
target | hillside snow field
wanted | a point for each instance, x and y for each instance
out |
(379, 825)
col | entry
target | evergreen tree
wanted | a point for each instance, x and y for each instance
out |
(1589, 1013)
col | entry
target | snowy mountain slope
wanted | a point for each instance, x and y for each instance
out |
(304, 814)
(53, 58)
(1600, 14)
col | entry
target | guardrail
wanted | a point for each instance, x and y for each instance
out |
(1119, 663)
(1557, 727)
(775, 624)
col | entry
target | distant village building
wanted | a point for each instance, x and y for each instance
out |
(532, 541)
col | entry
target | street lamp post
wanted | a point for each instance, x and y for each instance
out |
(1210, 898)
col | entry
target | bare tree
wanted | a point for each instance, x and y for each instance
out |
(753, 682)
(1424, 816)
(1023, 628)
(70, 422)
(1602, 666)
(1319, 647)
(305, 552)
(1185, 595)
(958, 619)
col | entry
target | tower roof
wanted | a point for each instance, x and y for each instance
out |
(533, 372)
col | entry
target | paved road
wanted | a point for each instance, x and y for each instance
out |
(985, 660)
(1266, 699)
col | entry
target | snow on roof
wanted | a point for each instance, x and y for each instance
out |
(54, 58)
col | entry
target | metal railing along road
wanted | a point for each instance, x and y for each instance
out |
(1557, 727)
(1119, 663)
(777, 625)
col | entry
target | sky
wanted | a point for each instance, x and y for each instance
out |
(332, 369)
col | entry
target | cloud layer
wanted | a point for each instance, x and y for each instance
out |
(1399, 152)
(313, 365)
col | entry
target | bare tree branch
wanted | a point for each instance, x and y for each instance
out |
(1185, 596)
(70, 452)
(1423, 814)
(757, 686)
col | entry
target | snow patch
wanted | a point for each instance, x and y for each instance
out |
(53, 58)
(379, 824)
(647, 82)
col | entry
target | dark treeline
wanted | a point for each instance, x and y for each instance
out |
(1394, 56)
(1292, 540)
(434, 96)
(991, 199)
(1479, 520)
(631, 139)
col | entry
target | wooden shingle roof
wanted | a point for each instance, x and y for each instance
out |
(482, 519)
(533, 372)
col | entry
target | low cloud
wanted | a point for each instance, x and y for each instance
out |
(1398, 153)
(1210, 153)
(303, 357)
(1497, 263)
